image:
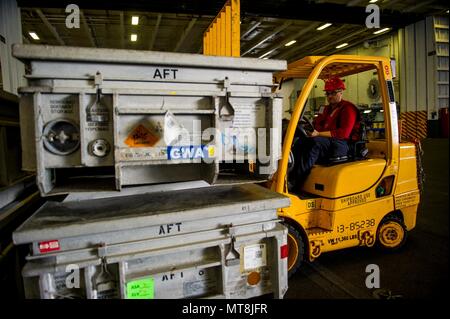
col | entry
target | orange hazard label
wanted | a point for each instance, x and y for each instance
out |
(141, 137)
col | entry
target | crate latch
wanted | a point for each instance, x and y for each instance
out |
(226, 111)
(232, 257)
(103, 281)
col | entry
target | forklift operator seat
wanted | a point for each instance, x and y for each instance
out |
(357, 148)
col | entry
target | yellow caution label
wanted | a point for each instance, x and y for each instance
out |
(211, 151)
(141, 137)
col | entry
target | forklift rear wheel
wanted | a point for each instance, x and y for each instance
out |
(296, 248)
(391, 234)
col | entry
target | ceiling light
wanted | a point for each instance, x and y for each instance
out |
(33, 35)
(326, 25)
(134, 20)
(367, 111)
(134, 37)
(265, 58)
(381, 31)
(290, 43)
(342, 45)
(373, 1)
(267, 53)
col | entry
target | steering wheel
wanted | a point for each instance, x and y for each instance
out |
(305, 125)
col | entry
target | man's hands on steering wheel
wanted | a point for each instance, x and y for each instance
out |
(306, 127)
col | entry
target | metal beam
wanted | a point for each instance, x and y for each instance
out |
(293, 37)
(155, 32)
(251, 28)
(339, 41)
(389, 4)
(312, 40)
(185, 33)
(260, 41)
(49, 26)
(287, 9)
(417, 6)
(108, 25)
(355, 2)
(354, 44)
(122, 31)
(87, 29)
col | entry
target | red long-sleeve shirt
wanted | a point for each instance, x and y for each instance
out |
(339, 122)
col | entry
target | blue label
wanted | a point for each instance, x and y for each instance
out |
(187, 152)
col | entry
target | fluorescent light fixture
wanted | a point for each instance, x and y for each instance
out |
(381, 31)
(342, 45)
(134, 37)
(381, 111)
(290, 43)
(33, 35)
(267, 53)
(265, 58)
(373, 1)
(134, 20)
(324, 26)
(367, 111)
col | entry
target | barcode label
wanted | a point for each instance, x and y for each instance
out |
(254, 257)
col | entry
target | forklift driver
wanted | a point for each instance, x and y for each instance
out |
(334, 127)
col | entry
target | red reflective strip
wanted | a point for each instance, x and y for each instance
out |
(47, 246)
(284, 251)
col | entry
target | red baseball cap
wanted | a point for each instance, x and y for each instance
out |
(334, 83)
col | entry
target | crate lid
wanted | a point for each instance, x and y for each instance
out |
(26, 52)
(56, 220)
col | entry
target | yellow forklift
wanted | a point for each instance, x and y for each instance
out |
(370, 198)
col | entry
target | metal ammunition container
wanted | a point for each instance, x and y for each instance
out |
(95, 119)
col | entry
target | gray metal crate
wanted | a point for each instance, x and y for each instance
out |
(223, 241)
(135, 117)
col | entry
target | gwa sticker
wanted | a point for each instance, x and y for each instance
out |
(189, 152)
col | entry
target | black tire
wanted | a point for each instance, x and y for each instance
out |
(391, 233)
(296, 248)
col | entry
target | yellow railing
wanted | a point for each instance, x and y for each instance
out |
(223, 34)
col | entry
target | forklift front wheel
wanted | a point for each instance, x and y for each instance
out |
(296, 248)
(391, 233)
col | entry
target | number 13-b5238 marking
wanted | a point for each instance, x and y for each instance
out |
(356, 225)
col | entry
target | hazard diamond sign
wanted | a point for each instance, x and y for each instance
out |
(141, 137)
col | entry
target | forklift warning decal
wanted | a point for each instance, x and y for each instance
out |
(356, 199)
(408, 199)
(141, 137)
(365, 238)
